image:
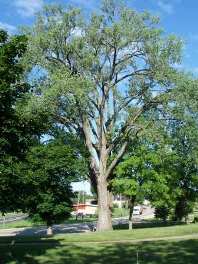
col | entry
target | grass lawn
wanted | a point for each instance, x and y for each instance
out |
(85, 249)
(117, 212)
(18, 223)
(29, 223)
(161, 252)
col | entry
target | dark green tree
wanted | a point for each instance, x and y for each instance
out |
(182, 130)
(184, 164)
(15, 134)
(46, 176)
(140, 174)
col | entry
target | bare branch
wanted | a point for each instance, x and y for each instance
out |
(141, 72)
(117, 159)
(88, 141)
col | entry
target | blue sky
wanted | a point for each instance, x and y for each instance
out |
(177, 16)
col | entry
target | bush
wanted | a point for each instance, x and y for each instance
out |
(195, 219)
(162, 212)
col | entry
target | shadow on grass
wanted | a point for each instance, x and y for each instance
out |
(24, 249)
(52, 252)
(146, 224)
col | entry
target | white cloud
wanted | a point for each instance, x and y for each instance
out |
(166, 6)
(28, 8)
(10, 28)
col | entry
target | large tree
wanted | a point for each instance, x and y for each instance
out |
(11, 90)
(97, 76)
(15, 133)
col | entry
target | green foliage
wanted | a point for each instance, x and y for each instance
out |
(12, 133)
(16, 135)
(47, 174)
(127, 187)
(140, 174)
(162, 212)
(103, 68)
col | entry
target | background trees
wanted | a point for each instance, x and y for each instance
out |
(99, 76)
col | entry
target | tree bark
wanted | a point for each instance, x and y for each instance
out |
(131, 206)
(104, 206)
(49, 230)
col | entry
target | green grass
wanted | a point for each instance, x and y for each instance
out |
(120, 212)
(19, 223)
(127, 235)
(74, 248)
(117, 212)
(161, 252)
(29, 223)
(118, 235)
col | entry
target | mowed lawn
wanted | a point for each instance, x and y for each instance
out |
(110, 247)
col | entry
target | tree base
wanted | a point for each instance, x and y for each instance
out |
(49, 231)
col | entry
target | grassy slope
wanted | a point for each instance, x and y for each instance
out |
(59, 249)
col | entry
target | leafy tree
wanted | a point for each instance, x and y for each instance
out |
(162, 212)
(47, 174)
(181, 176)
(185, 166)
(11, 89)
(140, 174)
(180, 166)
(100, 75)
(182, 127)
(166, 162)
(16, 135)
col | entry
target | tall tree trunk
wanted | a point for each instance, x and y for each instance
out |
(131, 206)
(104, 210)
(99, 171)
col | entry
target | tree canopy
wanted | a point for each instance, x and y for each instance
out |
(100, 75)
(46, 177)
(15, 134)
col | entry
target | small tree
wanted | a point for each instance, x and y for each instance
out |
(47, 175)
(140, 174)
(184, 167)
(162, 211)
(128, 188)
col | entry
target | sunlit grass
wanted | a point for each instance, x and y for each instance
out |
(99, 248)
